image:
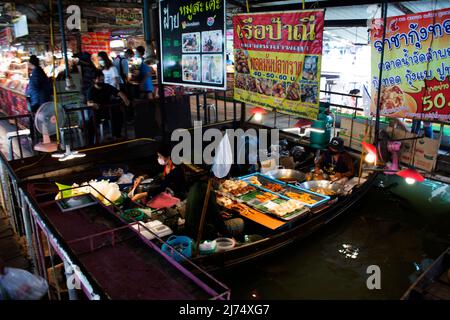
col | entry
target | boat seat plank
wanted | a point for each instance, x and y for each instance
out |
(263, 219)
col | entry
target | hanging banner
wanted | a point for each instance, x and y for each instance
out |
(193, 43)
(416, 67)
(94, 42)
(277, 58)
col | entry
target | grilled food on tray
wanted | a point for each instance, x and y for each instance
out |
(236, 187)
(275, 187)
(224, 201)
(266, 196)
(303, 197)
(254, 180)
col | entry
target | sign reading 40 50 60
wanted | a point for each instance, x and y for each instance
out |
(193, 43)
(277, 59)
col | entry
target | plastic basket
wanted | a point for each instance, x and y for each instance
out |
(182, 244)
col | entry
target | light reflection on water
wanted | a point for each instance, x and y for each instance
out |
(400, 228)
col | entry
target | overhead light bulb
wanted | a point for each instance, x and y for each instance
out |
(410, 181)
(370, 158)
(258, 116)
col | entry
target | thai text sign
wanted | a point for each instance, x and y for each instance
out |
(193, 43)
(94, 42)
(416, 67)
(277, 60)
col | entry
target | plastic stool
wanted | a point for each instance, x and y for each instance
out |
(78, 134)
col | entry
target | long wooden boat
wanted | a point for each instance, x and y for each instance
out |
(433, 283)
(290, 233)
(140, 157)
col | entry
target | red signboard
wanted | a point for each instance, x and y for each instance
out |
(278, 60)
(415, 70)
(94, 42)
(5, 37)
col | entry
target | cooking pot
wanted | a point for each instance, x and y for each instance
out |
(325, 184)
(287, 175)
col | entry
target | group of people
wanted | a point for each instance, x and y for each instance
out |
(99, 86)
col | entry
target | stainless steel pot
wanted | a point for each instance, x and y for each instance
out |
(325, 184)
(287, 175)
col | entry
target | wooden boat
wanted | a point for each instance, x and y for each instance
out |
(287, 235)
(434, 283)
(141, 155)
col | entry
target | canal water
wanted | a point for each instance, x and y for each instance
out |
(398, 227)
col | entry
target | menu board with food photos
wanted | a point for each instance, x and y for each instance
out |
(277, 57)
(193, 43)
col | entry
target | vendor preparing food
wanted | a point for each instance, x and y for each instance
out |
(336, 162)
(172, 177)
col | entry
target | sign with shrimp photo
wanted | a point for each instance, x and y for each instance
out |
(416, 66)
(277, 57)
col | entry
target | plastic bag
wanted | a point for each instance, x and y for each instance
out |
(223, 159)
(18, 284)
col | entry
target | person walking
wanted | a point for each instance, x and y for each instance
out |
(109, 70)
(39, 88)
(121, 64)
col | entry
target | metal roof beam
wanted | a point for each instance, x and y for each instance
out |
(312, 5)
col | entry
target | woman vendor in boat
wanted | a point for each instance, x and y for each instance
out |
(172, 177)
(336, 162)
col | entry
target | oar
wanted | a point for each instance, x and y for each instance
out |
(203, 216)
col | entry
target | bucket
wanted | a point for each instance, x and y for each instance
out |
(224, 244)
(181, 244)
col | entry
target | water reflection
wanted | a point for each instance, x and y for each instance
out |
(349, 251)
(392, 228)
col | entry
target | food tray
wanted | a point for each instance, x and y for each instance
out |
(264, 179)
(315, 196)
(260, 206)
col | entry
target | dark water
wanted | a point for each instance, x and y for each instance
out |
(400, 228)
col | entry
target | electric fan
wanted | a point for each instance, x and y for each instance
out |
(46, 122)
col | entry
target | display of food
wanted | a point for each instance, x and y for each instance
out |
(254, 180)
(236, 187)
(303, 197)
(283, 208)
(324, 191)
(275, 187)
(266, 196)
(224, 201)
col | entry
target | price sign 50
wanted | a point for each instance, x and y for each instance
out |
(438, 102)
